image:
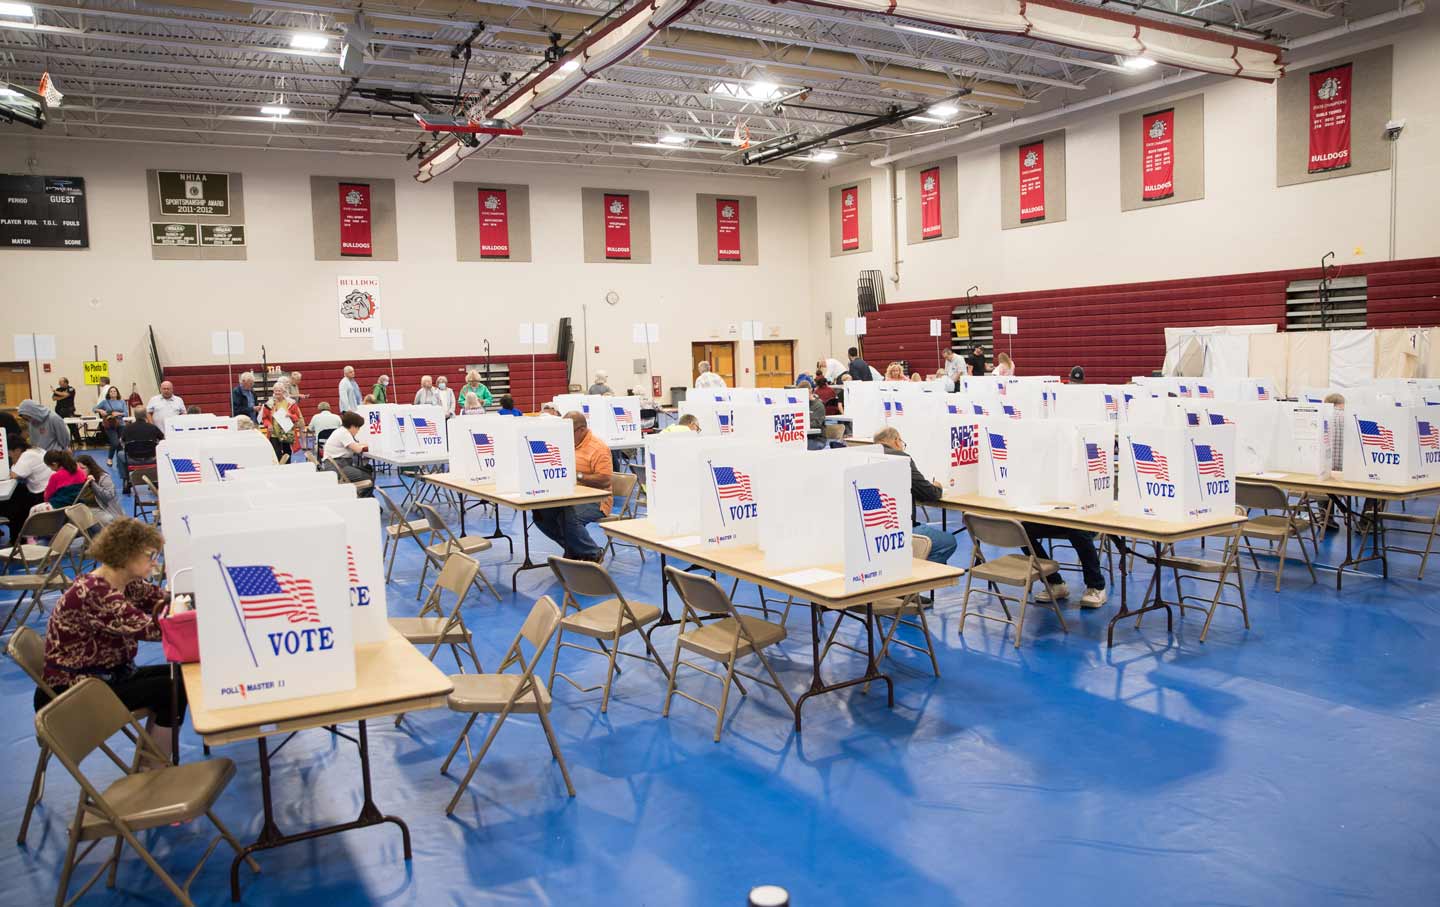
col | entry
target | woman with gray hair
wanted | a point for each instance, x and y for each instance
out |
(601, 386)
(47, 430)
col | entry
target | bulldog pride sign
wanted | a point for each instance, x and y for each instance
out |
(727, 229)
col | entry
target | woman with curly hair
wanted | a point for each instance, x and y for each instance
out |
(95, 628)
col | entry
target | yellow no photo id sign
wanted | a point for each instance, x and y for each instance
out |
(97, 373)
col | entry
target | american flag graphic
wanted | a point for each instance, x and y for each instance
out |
(266, 593)
(425, 428)
(1203, 391)
(952, 409)
(1011, 411)
(544, 453)
(374, 423)
(899, 408)
(1192, 418)
(186, 470)
(1209, 461)
(725, 426)
(652, 473)
(1428, 434)
(997, 446)
(1219, 419)
(877, 509)
(1150, 462)
(224, 469)
(1111, 407)
(352, 572)
(1004, 389)
(979, 410)
(732, 483)
(622, 416)
(1185, 391)
(484, 446)
(1095, 460)
(1262, 394)
(1374, 434)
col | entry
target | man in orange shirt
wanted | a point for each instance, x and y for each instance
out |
(568, 527)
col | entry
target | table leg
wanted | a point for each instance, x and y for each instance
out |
(271, 837)
(175, 710)
(872, 670)
(1160, 603)
(497, 534)
(526, 564)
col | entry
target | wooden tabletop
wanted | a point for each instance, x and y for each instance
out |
(1291, 481)
(583, 494)
(1108, 522)
(748, 563)
(390, 677)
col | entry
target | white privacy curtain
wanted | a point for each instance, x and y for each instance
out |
(1270, 360)
(1225, 349)
(1352, 357)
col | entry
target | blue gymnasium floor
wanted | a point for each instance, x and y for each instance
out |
(1291, 764)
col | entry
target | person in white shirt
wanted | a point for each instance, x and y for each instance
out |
(427, 395)
(323, 420)
(955, 370)
(834, 368)
(344, 447)
(164, 405)
(446, 395)
(350, 396)
(27, 467)
(706, 379)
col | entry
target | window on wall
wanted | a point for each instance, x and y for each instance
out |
(1341, 304)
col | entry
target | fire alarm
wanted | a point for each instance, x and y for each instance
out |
(597, 347)
(119, 357)
(47, 368)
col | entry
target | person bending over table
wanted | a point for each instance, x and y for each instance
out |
(569, 527)
(942, 543)
(344, 447)
(31, 475)
(94, 629)
(687, 422)
(66, 479)
(1084, 544)
(47, 430)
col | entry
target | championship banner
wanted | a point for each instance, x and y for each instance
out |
(930, 227)
(1157, 155)
(727, 229)
(355, 220)
(850, 218)
(494, 224)
(617, 226)
(1330, 119)
(1032, 182)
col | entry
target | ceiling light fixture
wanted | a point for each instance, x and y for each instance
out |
(17, 10)
(570, 66)
(944, 110)
(823, 157)
(662, 145)
(275, 110)
(920, 119)
(932, 32)
(673, 138)
(1137, 64)
(309, 41)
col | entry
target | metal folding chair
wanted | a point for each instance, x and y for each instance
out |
(442, 543)
(897, 609)
(1018, 570)
(49, 576)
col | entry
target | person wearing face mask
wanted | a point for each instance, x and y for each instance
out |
(380, 388)
(446, 395)
(427, 395)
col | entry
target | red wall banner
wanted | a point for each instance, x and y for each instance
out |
(355, 220)
(1032, 182)
(930, 226)
(617, 226)
(1157, 155)
(727, 229)
(494, 224)
(1330, 119)
(849, 218)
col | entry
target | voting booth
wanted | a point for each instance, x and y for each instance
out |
(1086, 402)
(1391, 445)
(196, 422)
(273, 607)
(210, 457)
(716, 418)
(877, 522)
(472, 446)
(1034, 462)
(1300, 438)
(615, 420)
(427, 430)
(671, 463)
(723, 490)
(385, 425)
(535, 456)
(781, 424)
(1255, 429)
(1177, 473)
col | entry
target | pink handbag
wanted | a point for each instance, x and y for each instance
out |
(179, 637)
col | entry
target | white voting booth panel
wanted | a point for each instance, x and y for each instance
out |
(210, 457)
(273, 607)
(616, 420)
(708, 395)
(1030, 462)
(384, 425)
(1301, 438)
(197, 422)
(1086, 402)
(864, 407)
(472, 446)
(1141, 410)
(801, 490)
(1392, 445)
(1177, 474)
(877, 523)
(723, 490)
(783, 425)
(966, 404)
(672, 461)
(959, 446)
(427, 430)
(535, 457)
(1255, 429)
(716, 418)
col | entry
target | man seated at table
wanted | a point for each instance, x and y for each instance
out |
(569, 527)
(687, 422)
(922, 490)
(137, 445)
(344, 447)
(1084, 544)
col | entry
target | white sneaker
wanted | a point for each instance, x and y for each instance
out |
(1093, 598)
(1052, 592)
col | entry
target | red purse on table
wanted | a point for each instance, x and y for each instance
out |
(179, 634)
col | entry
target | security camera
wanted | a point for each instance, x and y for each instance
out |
(1393, 128)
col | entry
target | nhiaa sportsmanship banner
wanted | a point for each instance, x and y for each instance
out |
(727, 229)
(355, 219)
(850, 218)
(1032, 182)
(1330, 119)
(1157, 154)
(494, 224)
(930, 226)
(617, 226)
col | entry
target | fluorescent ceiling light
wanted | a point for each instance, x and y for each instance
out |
(931, 32)
(309, 41)
(944, 110)
(822, 157)
(17, 10)
(755, 91)
(570, 66)
(673, 138)
(274, 110)
(1137, 63)
(662, 145)
(920, 119)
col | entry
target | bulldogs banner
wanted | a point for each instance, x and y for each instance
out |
(850, 218)
(877, 523)
(930, 226)
(1032, 182)
(494, 223)
(1330, 119)
(355, 220)
(1157, 154)
(617, 226)
(727, 229)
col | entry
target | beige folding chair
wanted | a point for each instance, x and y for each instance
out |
(84, 520)
(86, 494)
(625, 487)
(726, 640)
(144, 495)
(897, 609)
(638, 470)
(41, 524)
(502, 694)
(442, 543)
(79, 722)
(49, 576)
(1408, 524)
(611, 619)
(1221, 573)
(1272, 527)
(1022, 570)
(397, 528)
(435, 627)
(360, 487)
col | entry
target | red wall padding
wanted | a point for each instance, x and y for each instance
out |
(1116, 332)
(208, 386)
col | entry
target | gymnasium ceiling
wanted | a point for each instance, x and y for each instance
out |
(197, 73)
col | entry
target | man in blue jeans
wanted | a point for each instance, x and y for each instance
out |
(942, 543)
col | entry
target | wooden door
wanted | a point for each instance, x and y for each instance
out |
(14, 383)
(774, 363)
(720, 355)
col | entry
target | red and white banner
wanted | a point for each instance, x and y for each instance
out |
(849, 218)
(617, 226)
(930, 226)
(494, 223)
(1330, 119)
(355, 220)
(727, 229)
(1032, 182)
(1157, 155)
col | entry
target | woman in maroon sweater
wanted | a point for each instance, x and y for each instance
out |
(95, 629)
